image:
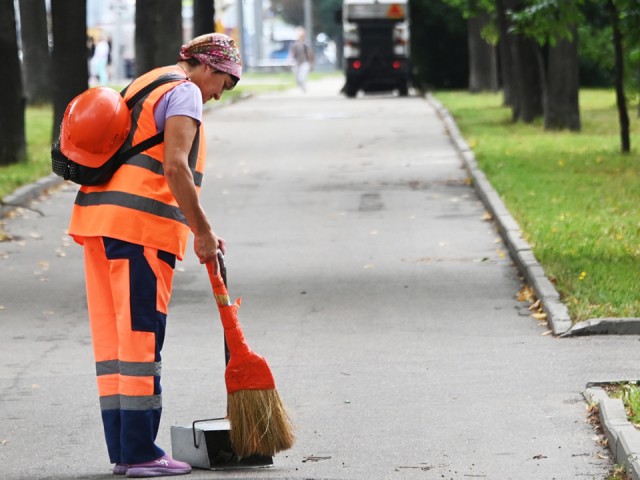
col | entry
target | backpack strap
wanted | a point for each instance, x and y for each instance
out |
(143, 92)
(139, 95)
(157, 139)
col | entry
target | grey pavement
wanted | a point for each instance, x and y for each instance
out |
(383, 300)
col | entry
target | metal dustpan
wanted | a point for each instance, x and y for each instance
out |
(206, 443)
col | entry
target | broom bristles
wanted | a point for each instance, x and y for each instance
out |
(259, 423)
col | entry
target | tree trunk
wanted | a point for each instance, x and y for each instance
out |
(482, 57)
(70, 72)
(505, 58)
(204, 12)
(35, 51)
(13, 144)
(527, 80)
(526, 72)
(623, 115)
(562, 104)
(158, 33)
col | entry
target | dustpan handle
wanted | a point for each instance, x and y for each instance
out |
(223, 274)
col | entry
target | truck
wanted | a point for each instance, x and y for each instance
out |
(376, 46)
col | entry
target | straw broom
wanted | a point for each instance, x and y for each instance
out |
(259, 421)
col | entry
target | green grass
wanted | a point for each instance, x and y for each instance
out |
(574, 195)
(618, 473)
(629, 393)
(39, 124)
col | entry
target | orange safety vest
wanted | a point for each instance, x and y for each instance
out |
(136, 205)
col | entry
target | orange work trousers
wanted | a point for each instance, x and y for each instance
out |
(128, 292)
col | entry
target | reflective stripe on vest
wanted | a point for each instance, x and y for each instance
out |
(129, 200)
(136, 205)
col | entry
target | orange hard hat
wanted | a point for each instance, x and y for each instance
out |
(94, 126)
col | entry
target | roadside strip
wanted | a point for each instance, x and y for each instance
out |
(623, 438)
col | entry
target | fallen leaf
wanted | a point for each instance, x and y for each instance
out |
(526, 294)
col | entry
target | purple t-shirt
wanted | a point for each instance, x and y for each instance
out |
(185, 99)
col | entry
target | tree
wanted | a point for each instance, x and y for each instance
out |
(35, 51)
(70, 72)
(621, 100)
(204, 13)
(158, 35)
(612, 44)
(528, 85)
(520, 65)
(13, 145)
(552, 24)
(439, 52)
(482, 53)
(483, 73)
(325, 18)
(504, 48)
(562, 102)
(292, 11)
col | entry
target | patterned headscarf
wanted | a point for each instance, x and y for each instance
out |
(216, 50)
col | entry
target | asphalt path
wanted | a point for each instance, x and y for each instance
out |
(373, 283)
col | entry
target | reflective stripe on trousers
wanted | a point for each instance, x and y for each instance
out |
(128, 291)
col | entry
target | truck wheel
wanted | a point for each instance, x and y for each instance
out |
(350, 90)
(403, 89)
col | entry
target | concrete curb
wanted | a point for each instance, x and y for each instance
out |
(21, 197)
(623, 438)
(519, 249)
(605, 326)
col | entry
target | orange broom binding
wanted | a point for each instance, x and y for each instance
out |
(259, 421)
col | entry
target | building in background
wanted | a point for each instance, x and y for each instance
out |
(264, 41)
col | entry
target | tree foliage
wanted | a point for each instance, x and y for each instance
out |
(439, 53)
(548, 21)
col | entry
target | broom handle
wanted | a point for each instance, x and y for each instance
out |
(223, 274)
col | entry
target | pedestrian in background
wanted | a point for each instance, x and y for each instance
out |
(100, 61)
(301, 56)
(133, 228)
